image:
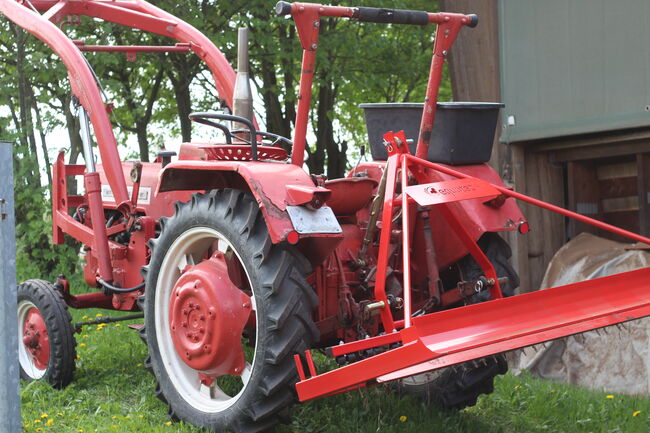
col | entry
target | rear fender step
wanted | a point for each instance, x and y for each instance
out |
(450, 337)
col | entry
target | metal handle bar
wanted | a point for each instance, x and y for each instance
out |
(377, 15)
(202, 118)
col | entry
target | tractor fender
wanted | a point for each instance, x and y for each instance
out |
(274, 186)
(477, 216)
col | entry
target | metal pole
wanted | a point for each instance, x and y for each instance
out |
(9, 373)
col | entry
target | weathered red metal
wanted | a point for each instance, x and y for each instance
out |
(207, 316)
(36, 338)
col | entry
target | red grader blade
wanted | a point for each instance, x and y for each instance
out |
(450, 337)
(473, 332)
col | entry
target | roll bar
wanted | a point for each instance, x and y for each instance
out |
(377, 15)
(307, 18)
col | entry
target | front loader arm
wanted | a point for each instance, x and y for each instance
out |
(41, 18)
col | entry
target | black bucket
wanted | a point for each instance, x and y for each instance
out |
(463, 132)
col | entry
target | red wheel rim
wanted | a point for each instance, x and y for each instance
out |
(36, 339)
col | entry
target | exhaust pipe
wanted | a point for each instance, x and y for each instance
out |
(243, 96)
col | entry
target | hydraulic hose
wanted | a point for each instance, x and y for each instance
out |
(112, 288)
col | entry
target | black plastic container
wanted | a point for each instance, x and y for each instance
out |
(463, 132)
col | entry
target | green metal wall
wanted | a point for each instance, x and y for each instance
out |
(573, 66)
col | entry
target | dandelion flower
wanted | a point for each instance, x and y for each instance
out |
(78, 356)
(50, 422)
(517, 387)
(59, 414)
(26, 425)
(636, 413)
(139, 364)
(36, 421)
(403, 418)
(98, 315)
(84, 336)
(44, 415)
(168, 423)
(114, 416)
(81, 430)
(140, 416)
(609, 397)
(39, 428)
(127, 416)
(117, 325)
(82, 344)
(84, 317)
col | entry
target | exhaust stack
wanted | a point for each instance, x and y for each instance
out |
(242, 96)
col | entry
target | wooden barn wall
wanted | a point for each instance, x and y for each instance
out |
(474, 71)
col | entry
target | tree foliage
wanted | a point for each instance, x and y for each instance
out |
(153, 96)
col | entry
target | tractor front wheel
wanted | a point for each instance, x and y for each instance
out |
(46, 346)
(225, 310)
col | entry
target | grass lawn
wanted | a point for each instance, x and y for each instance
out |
(112, 392)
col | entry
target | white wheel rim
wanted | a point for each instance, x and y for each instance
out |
(24, 357)
(187, 250)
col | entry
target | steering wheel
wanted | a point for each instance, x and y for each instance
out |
(203, 118)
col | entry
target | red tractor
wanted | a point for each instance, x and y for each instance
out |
(243, 263)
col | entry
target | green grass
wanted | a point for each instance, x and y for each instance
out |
(112, 392)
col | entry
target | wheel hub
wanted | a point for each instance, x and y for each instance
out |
(36, 339)
(207, 317)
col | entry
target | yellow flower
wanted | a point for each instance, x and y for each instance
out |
(50, 422)
(635, 413)
(168, 423)
(127, 417)
(78, 356)
(114, 416)
(98, 315)
(26, 425)
(139, 364)
(84, 336)
(403, 418)
(59, 414)
(81, 430)
(140, 416)
(82, 344)
(39, 429)
(609, 396)
(36, 421)
(117, 325)
(44, 415)
(517, 387)
(84, 317)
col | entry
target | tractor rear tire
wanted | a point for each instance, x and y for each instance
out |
(282, 302)
(457, 387)
(46, 347)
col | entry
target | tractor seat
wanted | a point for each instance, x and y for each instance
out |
(349, 194)
(243, 152)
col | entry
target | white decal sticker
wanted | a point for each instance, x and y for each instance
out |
(144, 195)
